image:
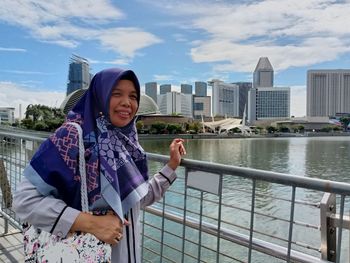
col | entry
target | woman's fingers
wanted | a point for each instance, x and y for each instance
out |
(177, 149)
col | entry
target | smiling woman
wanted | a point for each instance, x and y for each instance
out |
(118, 185)
(123, 103)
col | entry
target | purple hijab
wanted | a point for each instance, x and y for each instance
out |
(116, 164)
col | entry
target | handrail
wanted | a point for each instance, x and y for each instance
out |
(268, 176)
(221, 230)
(235, 237)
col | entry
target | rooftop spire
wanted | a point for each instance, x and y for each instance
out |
(263, 64)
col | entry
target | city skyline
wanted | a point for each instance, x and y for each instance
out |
(172, 42)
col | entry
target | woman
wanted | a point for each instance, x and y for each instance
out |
(116, 166)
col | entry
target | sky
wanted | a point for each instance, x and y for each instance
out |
(167, 41)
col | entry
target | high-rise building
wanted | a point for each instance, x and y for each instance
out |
(164, 88)
(201, 106)
(151, 90)
(175, 103)
(225, 98)
(266, 102)
(328, 92)
(7, 114)
(186, 88)
(269, 103)
(79, 76)
(244, 88)
(263, 73)
(200, 88)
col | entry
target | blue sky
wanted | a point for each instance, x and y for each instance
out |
(168, 42)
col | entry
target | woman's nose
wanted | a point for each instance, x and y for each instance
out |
(125, 101)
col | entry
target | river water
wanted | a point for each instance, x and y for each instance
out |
(317, 157)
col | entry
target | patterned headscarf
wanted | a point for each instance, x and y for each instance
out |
(116, 164)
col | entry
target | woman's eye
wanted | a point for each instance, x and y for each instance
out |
(134, 97)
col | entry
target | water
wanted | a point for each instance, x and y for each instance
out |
(316, 157)
(320, 157)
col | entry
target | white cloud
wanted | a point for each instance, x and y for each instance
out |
(120, 61)
(12, 95)
(162, 77)
(126, 41)
(21, 72)
(180, 37)
(68, 23)
(12, 49)
(291, 33)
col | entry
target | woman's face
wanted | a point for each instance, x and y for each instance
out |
(123, 103)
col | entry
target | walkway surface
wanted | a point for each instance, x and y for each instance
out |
(11, 244)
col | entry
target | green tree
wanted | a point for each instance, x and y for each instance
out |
(33, 112)
(258, 129)
(327, 129)
(40, 126)
(42, 118)
(271, 129)
(174, 128)
(158, 127)
(139, 125)
(283, 129)
(193, 127)
(236, 130)
(28, 123)
(301, 128)
(345, 122)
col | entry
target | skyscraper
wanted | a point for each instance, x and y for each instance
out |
(176, 103)
(7, 114)
(266, 102)
(328, 92)
(186, 88)
(271, 103)
(263, 73)
(201, 106)
(151, 90)
(244, 88)
(165, 88)
(225, 98)
(79, 76)
(201, 102)
(200, 88)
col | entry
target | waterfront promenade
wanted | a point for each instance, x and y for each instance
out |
(279, 217)
(11, 245)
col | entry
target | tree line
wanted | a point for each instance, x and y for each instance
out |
(41, 118)
(44, 118)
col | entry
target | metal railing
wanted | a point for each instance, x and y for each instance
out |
(221, 213)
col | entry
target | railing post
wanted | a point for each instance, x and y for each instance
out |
(328, 229)
(5, 186)
(6, 226)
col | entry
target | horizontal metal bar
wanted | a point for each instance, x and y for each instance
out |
(11, 220)
(336, 221)
(238, 238)
(23, 136)
(268, 176)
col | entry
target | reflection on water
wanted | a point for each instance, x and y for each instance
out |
(323, 157)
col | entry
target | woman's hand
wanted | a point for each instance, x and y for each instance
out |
(177, 149)
(107, 228)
